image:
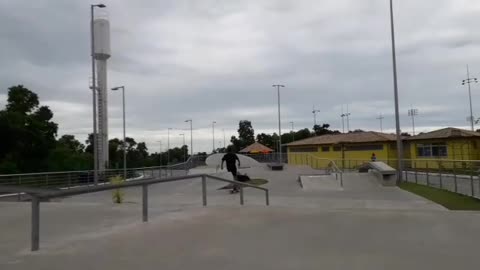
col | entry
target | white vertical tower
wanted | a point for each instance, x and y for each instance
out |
(101, 29)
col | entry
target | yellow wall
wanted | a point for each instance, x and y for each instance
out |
(457, 149)
(344, 159)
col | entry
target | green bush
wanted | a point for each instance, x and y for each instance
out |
(117, 194)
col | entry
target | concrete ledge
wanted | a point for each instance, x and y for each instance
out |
(386, 175)
(385, 180)
(275, 166)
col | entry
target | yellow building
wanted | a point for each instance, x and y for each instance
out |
(448, 148)
(439, 149)
(348, 150)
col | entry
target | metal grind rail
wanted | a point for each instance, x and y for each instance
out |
(38, 195)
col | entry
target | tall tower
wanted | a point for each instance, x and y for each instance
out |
(101, 29)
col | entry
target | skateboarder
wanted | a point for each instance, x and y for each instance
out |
(230, 159)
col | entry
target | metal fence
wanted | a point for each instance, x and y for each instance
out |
(73, 179)
(459, 176)
(38, 195)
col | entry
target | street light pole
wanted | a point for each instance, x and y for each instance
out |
(160, 153)
(191, 136)
(381, 117)
(412, 113)
(279, 124)
(94, 93)
(183, 135)
(470, 81)
(224, 146)
(348, 120)
(213, 134)
(124, 143)
(293, 131)
(168, 145)
(395, 92)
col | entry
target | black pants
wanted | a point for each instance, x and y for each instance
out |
(233, 170)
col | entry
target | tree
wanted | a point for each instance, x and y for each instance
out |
(21, 100)
(266, 140)
(405, 134)
(246, 136)
(324, 130)
(27, 133)
(69, 142)
(115, 153)
(245, 132)
(237, 145)
(302, 134)
(69, 155)
(89, 144)
(142, 149)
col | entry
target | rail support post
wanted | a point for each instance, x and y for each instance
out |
(241, 195)
(267, 198)
(204, 190)
(35, 223)
(145, 203)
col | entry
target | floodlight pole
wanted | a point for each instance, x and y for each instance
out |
(395, 92)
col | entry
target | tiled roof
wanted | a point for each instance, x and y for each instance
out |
(256, 148)
(446, 133)
(357, 137)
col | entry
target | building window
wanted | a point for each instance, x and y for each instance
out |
(366, 147)
(432, 150)
(325, 148)
(303, 149)
(337, 148)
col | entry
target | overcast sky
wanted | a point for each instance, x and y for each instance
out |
(217, 60)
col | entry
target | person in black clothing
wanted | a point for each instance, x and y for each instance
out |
(230, 158)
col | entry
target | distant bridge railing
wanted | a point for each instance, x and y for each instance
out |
(74, 179)
(37, 195)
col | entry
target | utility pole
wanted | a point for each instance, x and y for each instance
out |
(412, 113)
(224, 146)
(191, 136)
(381, 122)
(279, 124)
(293, 131)
(347, 115)
(348, 119)
(160, 153)
(124, 143)
(168, 145)
(395, 93)
(470, 81)
(213, 136)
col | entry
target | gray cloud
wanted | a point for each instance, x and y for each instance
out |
(216, 60)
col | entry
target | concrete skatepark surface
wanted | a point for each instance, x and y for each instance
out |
(362, 226)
